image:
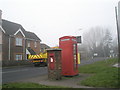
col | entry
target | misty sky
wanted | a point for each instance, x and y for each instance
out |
(52, 19)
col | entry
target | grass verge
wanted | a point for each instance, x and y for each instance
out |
(28, 85)
(104, 75)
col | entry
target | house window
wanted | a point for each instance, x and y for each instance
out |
(28, 44)
(35, 44)
(19, 41)
(18, 57)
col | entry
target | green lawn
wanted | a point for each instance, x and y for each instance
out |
(103, 74)
(27, 85)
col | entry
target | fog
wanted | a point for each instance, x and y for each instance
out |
(52, 19)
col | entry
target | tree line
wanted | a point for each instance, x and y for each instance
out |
(98, 42)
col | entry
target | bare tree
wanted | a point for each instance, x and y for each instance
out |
(97, 40)
(107, 43)
(115, 47)
(92, 39)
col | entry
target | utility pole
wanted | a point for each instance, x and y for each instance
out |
(118, 33)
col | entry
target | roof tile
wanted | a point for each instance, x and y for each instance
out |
(11, 28)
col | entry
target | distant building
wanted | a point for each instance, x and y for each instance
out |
(43, 47)
(16, 42)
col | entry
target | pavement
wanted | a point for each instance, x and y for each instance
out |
(39, 75)
(71, 82)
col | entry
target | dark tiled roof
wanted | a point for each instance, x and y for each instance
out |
(11, 27)
(31, 35)
(42, 45)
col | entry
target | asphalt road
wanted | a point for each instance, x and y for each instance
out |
(19, 73)
(92, 60)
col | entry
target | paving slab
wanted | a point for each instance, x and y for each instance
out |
(71, 82)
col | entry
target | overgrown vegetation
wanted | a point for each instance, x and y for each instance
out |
(104, 75)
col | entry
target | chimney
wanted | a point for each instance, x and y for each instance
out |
(0, 17)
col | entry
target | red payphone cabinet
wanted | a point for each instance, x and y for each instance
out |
(68, 44)
(54, 64)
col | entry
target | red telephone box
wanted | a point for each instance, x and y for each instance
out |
(68, 44)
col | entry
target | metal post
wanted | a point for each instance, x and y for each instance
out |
(118, 33)
(9, 55)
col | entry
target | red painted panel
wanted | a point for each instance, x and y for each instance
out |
(69, 55)
(51, 61)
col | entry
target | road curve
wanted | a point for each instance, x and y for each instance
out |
(26, 72)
